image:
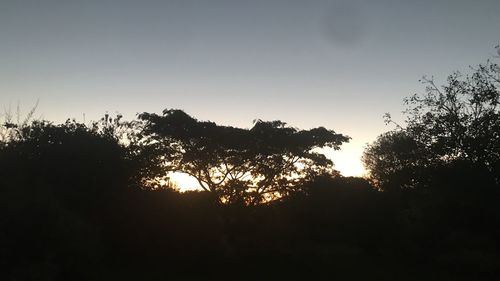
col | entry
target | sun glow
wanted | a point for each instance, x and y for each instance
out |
(184, 182)
(347, 165)
(347, 162)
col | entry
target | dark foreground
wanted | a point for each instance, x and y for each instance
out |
(337, 229)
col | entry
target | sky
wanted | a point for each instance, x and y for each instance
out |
(332, 63)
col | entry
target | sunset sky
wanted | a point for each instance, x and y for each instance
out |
(338, 64)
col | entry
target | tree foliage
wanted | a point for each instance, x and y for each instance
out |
(69, 153)
(458, 122)
(246, 166)
(396, 160)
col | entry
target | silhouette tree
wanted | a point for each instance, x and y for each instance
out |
(395, 160)
(459, 121)
(245, 166)
(143, 160)
(58, 181)
(68, 153)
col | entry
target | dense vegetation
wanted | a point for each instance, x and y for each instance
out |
(84, 202)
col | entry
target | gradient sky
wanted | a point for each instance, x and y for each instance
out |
(338, 64)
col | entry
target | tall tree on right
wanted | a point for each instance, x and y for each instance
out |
(458, 122)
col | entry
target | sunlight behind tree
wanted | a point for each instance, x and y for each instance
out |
(348, 164)
(347, 160)
(239, 166)
(184, 182)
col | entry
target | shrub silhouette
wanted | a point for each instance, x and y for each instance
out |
(56, 183)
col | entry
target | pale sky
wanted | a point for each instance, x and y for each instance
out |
(338, 64)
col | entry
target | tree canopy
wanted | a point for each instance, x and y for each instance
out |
(458, 122)
(246, 166)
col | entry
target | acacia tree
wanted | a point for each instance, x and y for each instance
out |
(458, 122)
(246, 166)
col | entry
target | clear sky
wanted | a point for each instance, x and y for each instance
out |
(338, 64)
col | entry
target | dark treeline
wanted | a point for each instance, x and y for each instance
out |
(93, 202)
